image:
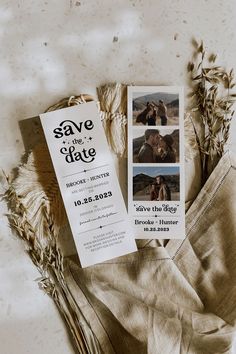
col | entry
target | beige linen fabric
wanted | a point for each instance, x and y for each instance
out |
(175, 299)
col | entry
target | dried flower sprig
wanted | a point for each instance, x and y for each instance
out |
(211, 106)
(50, 263)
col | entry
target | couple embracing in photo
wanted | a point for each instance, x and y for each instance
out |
(149, 115)
(157, 148)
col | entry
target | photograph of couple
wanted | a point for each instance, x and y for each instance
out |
(155, 146)
(156, 183)
(159, 189)
(159, 108)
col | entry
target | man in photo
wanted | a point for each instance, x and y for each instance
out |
(146, 153)
(160, 190)
(162, 111)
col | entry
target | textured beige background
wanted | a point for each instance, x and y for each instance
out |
(51, 49)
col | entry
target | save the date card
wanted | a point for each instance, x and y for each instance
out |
(88, 182)
(156, 161)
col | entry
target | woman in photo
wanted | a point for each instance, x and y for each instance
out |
(160, 191)
(143, 116)
(166, 153)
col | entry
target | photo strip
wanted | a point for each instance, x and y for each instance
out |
(156, 161)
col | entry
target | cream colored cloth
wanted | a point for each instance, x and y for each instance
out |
(180, 299)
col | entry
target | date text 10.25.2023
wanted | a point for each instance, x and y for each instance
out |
(93, 199)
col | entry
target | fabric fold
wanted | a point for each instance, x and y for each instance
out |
(174, 299)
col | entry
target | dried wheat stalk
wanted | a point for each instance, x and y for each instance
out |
(49, 261)
(211, 106)
(35, 219)
(41, 244)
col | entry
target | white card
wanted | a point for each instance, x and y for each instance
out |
(156, 161)
(88, 183)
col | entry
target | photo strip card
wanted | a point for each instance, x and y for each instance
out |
(156, 196)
